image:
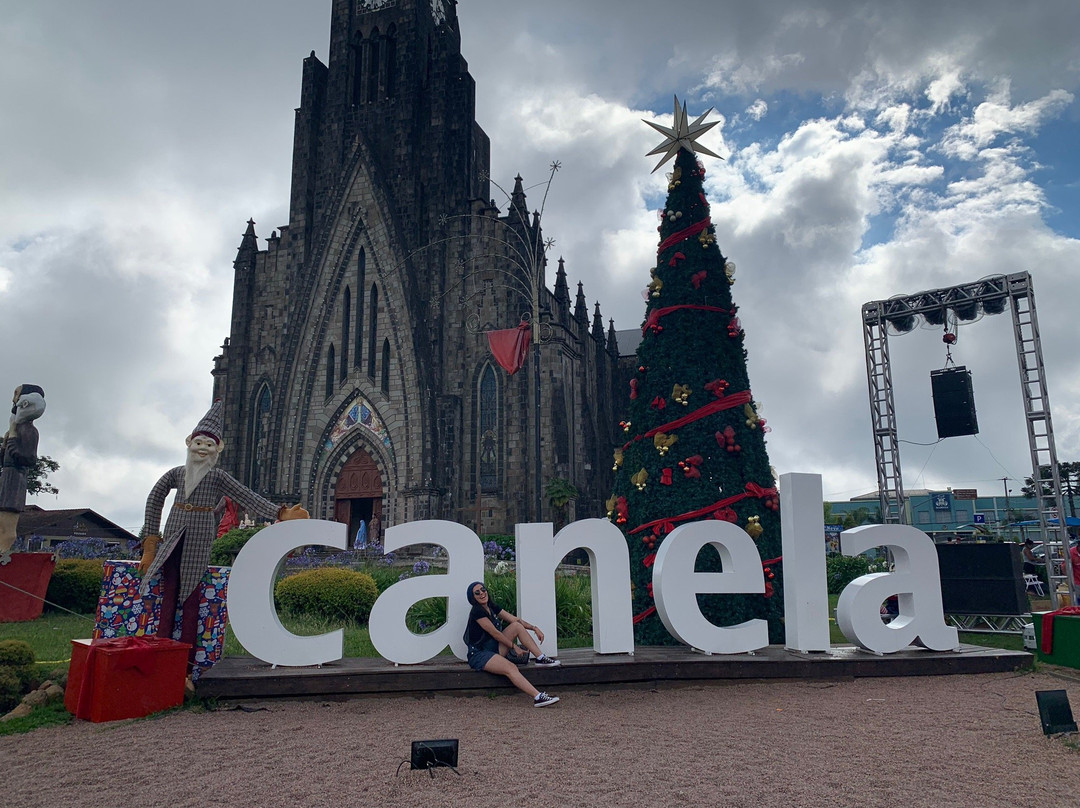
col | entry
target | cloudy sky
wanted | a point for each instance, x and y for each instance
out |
(872, 149)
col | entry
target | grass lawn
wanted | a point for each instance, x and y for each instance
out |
(48, 715)
(50, 636)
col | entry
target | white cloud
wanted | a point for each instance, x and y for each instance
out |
(758, 110)
(878, 152)
(996, 117)
(941, 90)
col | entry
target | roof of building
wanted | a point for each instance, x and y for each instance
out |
(69, 523)
(629, 339)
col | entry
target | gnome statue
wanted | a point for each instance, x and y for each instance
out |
(19, 455)
(182, 553)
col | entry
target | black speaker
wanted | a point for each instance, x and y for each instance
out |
(954, 402)
(982, 579)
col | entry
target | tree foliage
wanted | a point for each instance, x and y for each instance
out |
(37, 477)
(1068, 473)
(859, 516)
(694, 445)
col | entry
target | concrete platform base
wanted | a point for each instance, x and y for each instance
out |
(248, 678)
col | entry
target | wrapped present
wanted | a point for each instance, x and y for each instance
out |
(122, 612)
(125, 677)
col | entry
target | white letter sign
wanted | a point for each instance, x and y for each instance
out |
(916, 581)
(464, 564)
(676, 586)
(252, 615)
(806, 598)
(609, 568)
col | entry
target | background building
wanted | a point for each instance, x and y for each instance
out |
(951, 512)
(356, 378)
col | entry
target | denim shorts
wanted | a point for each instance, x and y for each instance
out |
(480, 657)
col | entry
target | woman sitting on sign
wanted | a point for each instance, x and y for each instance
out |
(491, 635)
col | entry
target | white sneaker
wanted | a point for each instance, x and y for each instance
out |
(543, 700)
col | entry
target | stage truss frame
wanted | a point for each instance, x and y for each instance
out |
(991, 295)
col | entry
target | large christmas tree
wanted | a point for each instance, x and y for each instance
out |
(694, 444)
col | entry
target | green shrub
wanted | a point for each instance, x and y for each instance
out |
(16, 672)
(224, 550)
(76, 585)
(331, 592)
(573, 605)
(11, 691)
(840, 570)
(15, 654)
(384, 575)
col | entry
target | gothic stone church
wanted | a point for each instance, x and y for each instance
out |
(357, 378)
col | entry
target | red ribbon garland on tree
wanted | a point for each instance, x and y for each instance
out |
(721, 404)
(682, 235)
(752, 490)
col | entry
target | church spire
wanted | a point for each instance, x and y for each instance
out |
(612, 340)
(562, 293)
(517, 200)
(249, 244)
(598, 324)
(581, 308)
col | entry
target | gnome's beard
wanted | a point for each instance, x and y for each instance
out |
(195, 469)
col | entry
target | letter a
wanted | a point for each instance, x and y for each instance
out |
(915, 581)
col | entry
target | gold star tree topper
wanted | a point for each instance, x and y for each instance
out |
(682, 135)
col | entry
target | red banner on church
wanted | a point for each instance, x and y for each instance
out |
(510, 346)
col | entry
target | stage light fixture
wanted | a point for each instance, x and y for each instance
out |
(1054, 711)
(433, 754)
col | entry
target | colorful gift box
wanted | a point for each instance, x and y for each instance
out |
(123, 612)
(1057, 636)
(126, 677)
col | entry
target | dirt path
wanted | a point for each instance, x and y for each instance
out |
(925, 741)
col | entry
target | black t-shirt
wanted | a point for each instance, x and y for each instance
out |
(474, 633)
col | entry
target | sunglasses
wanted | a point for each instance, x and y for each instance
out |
(479, 591)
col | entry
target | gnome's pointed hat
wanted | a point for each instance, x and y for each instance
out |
(210, 425)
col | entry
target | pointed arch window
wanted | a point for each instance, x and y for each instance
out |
(389, 54)
(386, 366)
(330, 370)
(372, 68)
(259, 473)
(487, 432)
(373, 317)
(361, 268)
(346, 324)
(359, 77)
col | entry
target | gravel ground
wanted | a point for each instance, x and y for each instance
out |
(920, 741)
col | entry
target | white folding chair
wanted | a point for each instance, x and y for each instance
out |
(1033, 582)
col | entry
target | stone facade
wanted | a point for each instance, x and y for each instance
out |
(359, 328)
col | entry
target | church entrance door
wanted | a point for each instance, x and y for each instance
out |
(358, 495)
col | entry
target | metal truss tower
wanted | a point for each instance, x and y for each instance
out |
(992, 296)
